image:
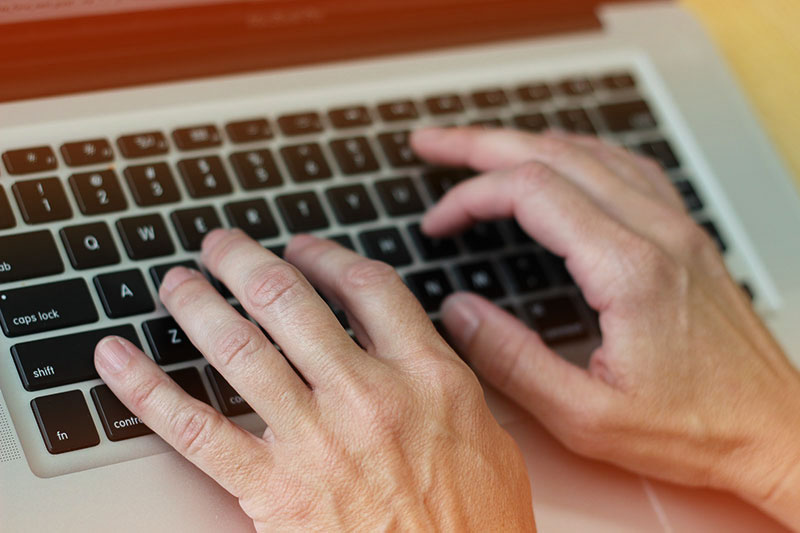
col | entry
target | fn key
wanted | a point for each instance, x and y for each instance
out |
(65, 422)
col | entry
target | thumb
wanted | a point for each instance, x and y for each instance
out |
(514, 359)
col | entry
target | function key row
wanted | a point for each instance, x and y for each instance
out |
(154, 143)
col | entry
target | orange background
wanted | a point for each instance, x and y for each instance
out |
(761, 42)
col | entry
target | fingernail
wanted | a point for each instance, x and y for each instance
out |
(461, 318)
(113, 354)
(176, 276)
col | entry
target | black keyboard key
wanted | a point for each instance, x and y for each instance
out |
(194, 224)
(399, 196)
(490, 98)
(526, 272)
(344, 240)
(98, 192)
(618, 81)
(430, 248)
(168, 342)
(690, 197)
(398, 110)
(576, 120)
(256, 169)
(518, 234)
(354, 155)
(230, 402)
(557, 268)
(90, 246)
(152, 184)
(662, 152)
(57, 361)
(118, 422)
(302, 212)
(7, 219)
(712, 230)
(189, 380)
(146, 144)
(430, 287)
(65, 422)
(158, 272)
(483, 237)
(145, 237)
(29, 255)
(534, 92)
(385, 245)
(42, 200)
(556, 319)
(440, 180)
(204, 177)
(248, 131)
(626, 116)
(398, 150)
(278, 249)
(300, 123)
(576, 87)
(197, 137)
(351, 204)
(124, 293)
(91, 152)
(481, 278)
(488, 123)
(349, 117)
(29, 160)
(47, 307)
(253, 217)
(533, 122)
(306, 162)
(444, 104)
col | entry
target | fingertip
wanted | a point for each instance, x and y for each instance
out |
(213, 238)
(299, 243)
(113, 355)
(462, 315)
(427, 135)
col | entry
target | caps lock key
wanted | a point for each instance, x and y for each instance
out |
(46, 307)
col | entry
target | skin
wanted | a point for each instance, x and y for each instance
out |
(688, 384)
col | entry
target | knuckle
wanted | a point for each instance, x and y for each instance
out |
(531, 176)
(367, 273)
(272, 284)
(241, 341)
(193, 429)
(141, 397)
(555, 149)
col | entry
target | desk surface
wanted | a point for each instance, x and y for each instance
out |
(760, 40)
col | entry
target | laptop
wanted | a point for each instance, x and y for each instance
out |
(129, 128)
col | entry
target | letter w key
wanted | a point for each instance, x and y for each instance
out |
(145, 237)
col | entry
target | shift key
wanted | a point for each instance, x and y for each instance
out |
(29, 255)
(46, 307)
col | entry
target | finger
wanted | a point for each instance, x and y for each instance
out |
(227, 453)
(507, 354)
(237, 348)
(370, 290)
(285, 304)
(487, 149)
(640, 172)
(554, 212)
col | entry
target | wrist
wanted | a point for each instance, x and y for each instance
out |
(768, 476)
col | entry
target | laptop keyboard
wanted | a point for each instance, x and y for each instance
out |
(347, 173)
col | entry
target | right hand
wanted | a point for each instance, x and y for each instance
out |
(688, 385)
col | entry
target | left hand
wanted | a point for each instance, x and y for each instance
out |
(393, 436)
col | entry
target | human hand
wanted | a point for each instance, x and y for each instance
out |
(394, 436)
(688, 385)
